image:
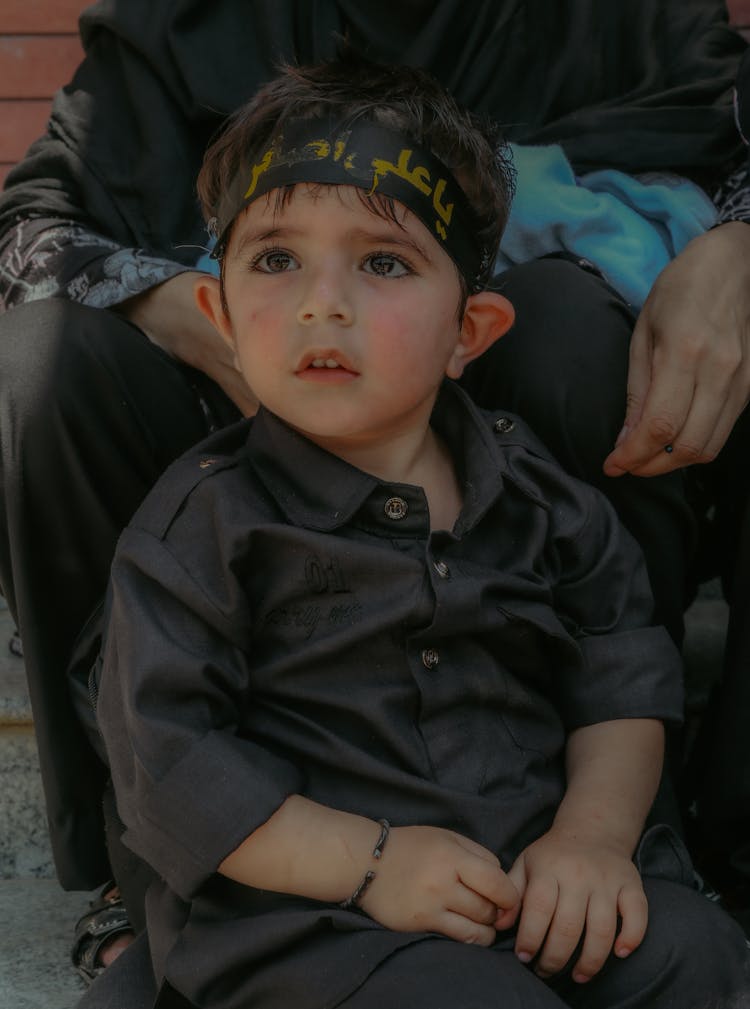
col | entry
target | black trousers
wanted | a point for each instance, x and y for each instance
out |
(693, 957)
(91, 413)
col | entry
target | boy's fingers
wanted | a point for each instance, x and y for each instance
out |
(489, 881)
(539, 904)
(633, 907)
(601, 925)
(564, 933)
(476, 849)
(455, 926)
(473, 906)
(507, 919)
(517, 874)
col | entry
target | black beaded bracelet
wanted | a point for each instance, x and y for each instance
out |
(369, 876)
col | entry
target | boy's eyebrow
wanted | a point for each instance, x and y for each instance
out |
(398, 238)
(253, 237)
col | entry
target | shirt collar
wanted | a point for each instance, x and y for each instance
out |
(318, 490)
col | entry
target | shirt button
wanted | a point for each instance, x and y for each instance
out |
(442, 569)
(430, 658)
(504, 425)
(395, 508)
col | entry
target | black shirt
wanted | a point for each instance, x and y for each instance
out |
(282, 622)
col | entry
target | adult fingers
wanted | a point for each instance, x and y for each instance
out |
(639, 376)
(720, 396)
(712, 415)
(661, 417)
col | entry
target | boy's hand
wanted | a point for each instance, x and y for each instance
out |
(432, 880)
(574, 889)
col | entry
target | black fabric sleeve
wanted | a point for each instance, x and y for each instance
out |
(173, 676)
(630, 669)
(627, 667)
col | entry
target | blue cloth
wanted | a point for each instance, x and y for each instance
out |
(629, 227)
(207, 264)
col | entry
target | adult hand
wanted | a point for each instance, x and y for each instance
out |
(169, 317)
(689, 376)
(572, 890)
(433, 880)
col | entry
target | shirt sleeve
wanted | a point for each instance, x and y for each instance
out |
(173, 681)
(628, 668)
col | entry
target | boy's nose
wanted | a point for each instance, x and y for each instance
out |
(325, 299)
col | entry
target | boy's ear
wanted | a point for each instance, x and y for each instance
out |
(207, 293)
(487, 316)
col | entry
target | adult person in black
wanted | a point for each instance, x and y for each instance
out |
(107, 371)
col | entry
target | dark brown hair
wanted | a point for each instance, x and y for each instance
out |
(400, 98)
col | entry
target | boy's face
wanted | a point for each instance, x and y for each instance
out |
(343, 322)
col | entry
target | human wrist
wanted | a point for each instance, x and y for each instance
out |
(588, 833)
(354, 899)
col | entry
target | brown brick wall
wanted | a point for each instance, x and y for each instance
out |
(39, 50)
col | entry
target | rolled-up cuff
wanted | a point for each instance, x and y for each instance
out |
(644, 660)
(222, 790)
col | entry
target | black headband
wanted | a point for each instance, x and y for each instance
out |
(370, 157)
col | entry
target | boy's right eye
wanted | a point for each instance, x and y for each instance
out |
(274, 261)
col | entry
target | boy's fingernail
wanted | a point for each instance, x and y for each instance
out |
(622, 435)
(622, 951)
(580, 978)
(523, 956)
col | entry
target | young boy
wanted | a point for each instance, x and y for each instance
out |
(379, 691)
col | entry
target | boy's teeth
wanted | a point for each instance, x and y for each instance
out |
(330, 363)
(320, 362)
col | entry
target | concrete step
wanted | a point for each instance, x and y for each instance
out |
(35, 937)
(24, 845)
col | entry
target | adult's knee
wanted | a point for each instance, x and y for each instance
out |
(563, 365)
(84, 377)
(694, 955)
(55, 355)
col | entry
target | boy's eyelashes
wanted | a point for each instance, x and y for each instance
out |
(386, 264)
(380, 263)
(273, 260)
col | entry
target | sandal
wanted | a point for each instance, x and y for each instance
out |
(105, 919)
(15, 645)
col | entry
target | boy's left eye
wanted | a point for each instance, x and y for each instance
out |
(274, 261)
(383, 264)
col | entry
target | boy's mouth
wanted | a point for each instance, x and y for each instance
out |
(326, 364)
